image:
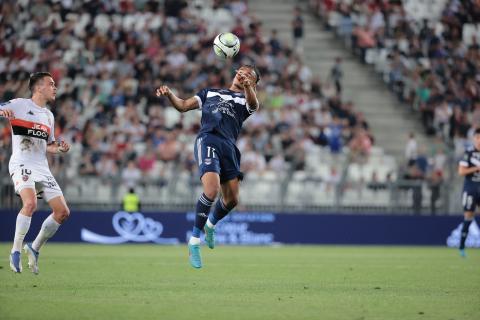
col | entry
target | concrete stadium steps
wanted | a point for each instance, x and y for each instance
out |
(390, 121)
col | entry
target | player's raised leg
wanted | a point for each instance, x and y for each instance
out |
(24, 217)
(48, 229)
(225, 204)
(467, 220)
(211, 187)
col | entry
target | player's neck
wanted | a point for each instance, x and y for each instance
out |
(235, 88)
(39, 101)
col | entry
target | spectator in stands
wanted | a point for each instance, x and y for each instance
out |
(375, 184)
(107, 60)
(360, 146)
(298, 30)
(414, 177)
(146, 161)
(333, 180)
(336, 74)
(411, 149)
(131, 175)
(435, 182)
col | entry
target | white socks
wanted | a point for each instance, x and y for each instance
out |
(49, 227)
(194, 240)
(21, 229)
(210, 225)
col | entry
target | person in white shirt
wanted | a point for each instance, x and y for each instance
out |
(411, 149)
(32, 137)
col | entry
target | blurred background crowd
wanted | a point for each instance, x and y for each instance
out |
(108, 57)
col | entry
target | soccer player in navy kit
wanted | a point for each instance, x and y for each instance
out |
(469, 167)
(218, 158)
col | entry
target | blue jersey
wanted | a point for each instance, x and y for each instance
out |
(470, 159)
(223, 112)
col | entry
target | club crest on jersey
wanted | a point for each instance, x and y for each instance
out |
(208, 161)
(25, 178)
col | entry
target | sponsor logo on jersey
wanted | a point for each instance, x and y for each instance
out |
(224, 107)
(31, 129)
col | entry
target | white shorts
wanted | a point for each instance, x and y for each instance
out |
(39, 179)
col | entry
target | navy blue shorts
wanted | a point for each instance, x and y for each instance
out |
(216, 154)
(470, 196)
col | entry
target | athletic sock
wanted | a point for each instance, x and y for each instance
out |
(220, 212)
(49, 227)
(21, 229)
(202, 210)
(464, 234)
(194, 240)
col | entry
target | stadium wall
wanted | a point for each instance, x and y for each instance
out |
(247, 228)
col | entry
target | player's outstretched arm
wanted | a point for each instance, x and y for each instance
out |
(179, 104)
(58, 147)
(464, 171)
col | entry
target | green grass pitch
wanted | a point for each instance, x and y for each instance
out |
(290, 282)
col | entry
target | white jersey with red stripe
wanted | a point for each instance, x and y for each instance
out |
(32, 130)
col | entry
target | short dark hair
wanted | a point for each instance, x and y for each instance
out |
(477, 131)
(254, 68)
(35, 78)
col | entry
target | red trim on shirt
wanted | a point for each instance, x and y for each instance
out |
(30, 125)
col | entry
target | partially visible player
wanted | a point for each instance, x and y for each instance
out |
(469, 167)
(218, 158)
(32, 137)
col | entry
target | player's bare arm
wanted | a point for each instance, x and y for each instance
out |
(7, 113)
(247, 79)
(58, 147)
(182, 105)
(464, 171)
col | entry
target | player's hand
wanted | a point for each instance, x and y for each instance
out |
(163, 91)
(246, 79)
(7, 113)
(63, 147)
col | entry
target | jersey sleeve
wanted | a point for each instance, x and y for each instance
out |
(465, 162)
(250, 110)
(11, 104)
(201, 96)
(51, 137)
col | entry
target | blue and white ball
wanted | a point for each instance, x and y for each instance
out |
(226, 45)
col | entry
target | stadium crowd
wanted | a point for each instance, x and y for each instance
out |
(432, 64)
(108, 57)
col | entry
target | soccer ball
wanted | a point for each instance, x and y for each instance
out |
(226, 45)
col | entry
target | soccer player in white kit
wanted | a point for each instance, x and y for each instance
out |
(32, 137)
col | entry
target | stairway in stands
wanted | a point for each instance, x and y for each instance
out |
(390, 121)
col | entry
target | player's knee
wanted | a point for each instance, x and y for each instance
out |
(62, 214)
(469, 214)
(232, 202)
(29, 207)
(211, 191)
